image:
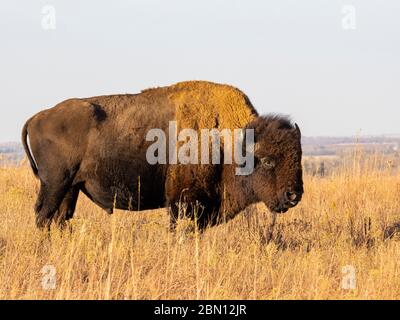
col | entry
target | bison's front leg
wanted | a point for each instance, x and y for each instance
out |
(192, 192)
(173, 218)
(203, 216)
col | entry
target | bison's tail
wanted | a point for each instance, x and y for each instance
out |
(27, 150)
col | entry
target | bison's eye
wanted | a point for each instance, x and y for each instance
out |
(267, 163)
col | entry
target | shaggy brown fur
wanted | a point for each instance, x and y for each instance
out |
(97, 146)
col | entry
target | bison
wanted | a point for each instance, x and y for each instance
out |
(98, 146)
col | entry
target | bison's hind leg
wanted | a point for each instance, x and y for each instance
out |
(67, 208)
(49, 200)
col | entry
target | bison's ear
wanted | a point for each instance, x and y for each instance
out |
(298, 132)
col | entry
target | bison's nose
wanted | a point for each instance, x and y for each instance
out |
(292, 197)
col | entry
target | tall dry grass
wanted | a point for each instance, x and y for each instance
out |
(349, 218)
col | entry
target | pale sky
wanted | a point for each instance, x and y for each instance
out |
(289, 56)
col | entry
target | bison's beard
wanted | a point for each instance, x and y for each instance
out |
(282, 207)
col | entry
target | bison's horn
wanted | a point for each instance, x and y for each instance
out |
(298, 132)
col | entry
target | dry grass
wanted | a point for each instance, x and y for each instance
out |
(349, 218)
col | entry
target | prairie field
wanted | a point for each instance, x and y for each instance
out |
(340, 242)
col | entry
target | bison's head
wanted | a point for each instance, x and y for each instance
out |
(277, 176)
